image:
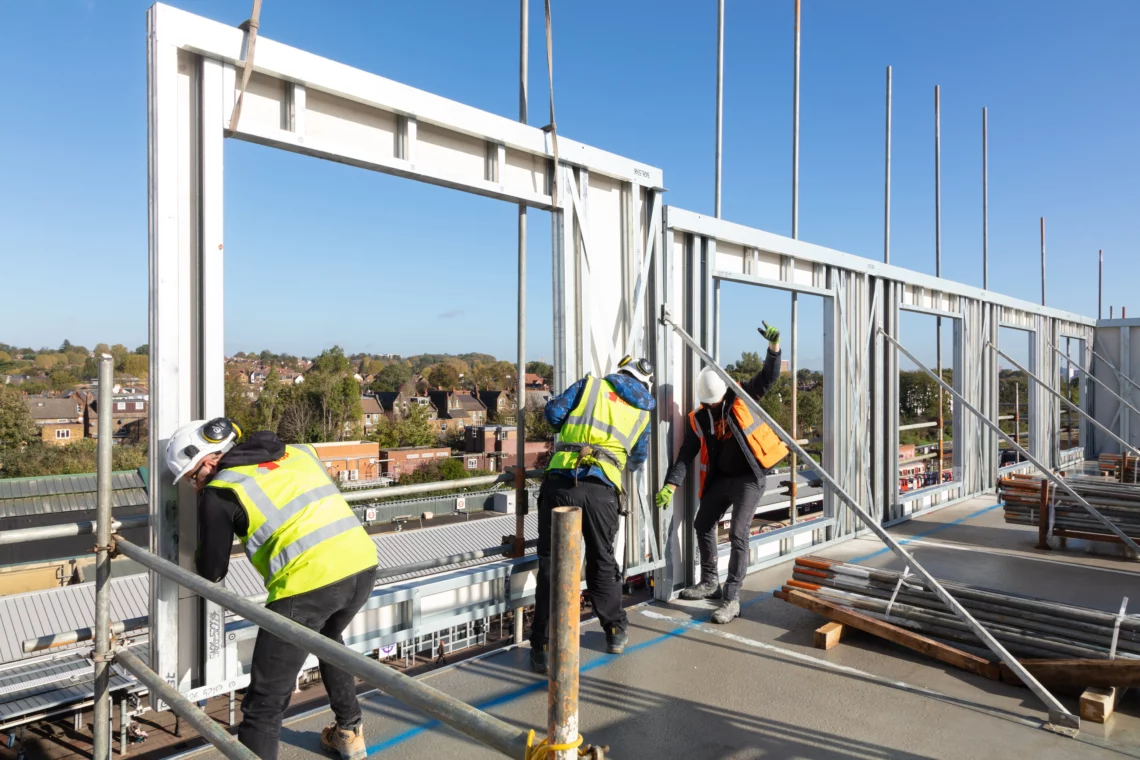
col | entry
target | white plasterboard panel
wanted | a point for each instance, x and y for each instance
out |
(524, 170)
(262, 100)
(605, 253)
(217, 40)
(729, 257)
(767, 265)
(338, 121)
(803, 272)
(446, 151)
(726, 231)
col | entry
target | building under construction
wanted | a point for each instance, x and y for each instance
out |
(877, 623)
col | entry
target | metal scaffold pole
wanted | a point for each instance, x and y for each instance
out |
(795, 325)
(566, 613)
(985, 200)
(521, 498)
(1100, 285)
(101, 745)
(1042, 261)
(1061, 720)
(938, 265)
(719, 100)
(887, 181)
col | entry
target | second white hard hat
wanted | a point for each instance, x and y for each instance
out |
(710, 386)
(196, 440)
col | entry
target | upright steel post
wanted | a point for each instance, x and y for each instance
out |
(123, 726)
(1100, 285)
(938, 263)
(795, 235)
(985, 201)
(101, 746)
(1042, 261)
(565, 597)
(1017, 412)
(887, 181)
(1068, 410)
(719, 99)
(521, 499)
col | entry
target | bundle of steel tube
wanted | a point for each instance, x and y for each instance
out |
(1024, 625)
(1119, 502)
(1124, 468)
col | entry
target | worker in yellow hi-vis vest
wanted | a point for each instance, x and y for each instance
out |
(736, 453)
(299, 533)
(603, 430)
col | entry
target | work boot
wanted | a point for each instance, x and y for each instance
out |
(348, 742)
(707, 589)
(616, 640)
(728, 611)
(538, 659)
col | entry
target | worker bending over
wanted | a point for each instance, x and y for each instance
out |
(299, 533)
(602, 426)
(736, 454)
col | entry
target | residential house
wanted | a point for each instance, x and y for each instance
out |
(400, 461)
(60, 420)
(370, 412)
(457, 409)
(499, 404)
(396, 405)
(350, 461)
(536, 382)
(499, 445)
(128, 417)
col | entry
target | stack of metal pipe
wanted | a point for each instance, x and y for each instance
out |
(1024, 625)
(1124, 468)
(1119, 502)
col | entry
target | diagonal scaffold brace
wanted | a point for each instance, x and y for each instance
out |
(1061, 721)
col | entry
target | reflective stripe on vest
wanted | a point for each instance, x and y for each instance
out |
(302, 535)
(604, 421)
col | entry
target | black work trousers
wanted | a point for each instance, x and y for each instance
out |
(742, 493)
(600, 516)
(276, 662)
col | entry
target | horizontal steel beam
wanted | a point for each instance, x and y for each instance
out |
(81, 634)
(66, 530)
(464, 718)
(368, 494)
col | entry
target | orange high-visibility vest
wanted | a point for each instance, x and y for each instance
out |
(764, 444)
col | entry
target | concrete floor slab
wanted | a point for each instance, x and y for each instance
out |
(758, 689)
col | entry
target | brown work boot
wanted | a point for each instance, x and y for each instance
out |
(349, 743)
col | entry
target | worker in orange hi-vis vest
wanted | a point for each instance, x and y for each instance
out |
(735, 454)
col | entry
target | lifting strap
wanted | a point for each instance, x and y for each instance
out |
(250, 27)
(552, 127)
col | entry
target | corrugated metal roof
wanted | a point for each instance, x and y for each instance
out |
(67, 493)
(42, 613)
(55, 681)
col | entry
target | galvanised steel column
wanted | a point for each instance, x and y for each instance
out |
(102, 656)
(566, 614)
(719, 100)
(521, 499)
(887, 180)
(793, 332)
(985, 200)
(938, 264)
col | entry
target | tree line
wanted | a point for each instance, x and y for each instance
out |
(70, 364)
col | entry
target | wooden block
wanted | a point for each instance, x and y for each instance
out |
(828, 635)
(1099, 702)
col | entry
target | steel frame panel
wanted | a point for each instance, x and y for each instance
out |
(306, 104)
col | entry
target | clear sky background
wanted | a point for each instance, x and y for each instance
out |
(320, 253)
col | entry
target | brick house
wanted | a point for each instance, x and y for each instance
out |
(498, 404)
(400, 461)
(128, 417)
(536, 382)
(457, 409)
(60, 420)
(499, 445)
(395, 405)
(350, 461)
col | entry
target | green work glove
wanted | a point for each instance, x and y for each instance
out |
(771, 334)
(665, 495)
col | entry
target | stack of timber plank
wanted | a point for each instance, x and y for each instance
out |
(1124, 468)
(1021, 496)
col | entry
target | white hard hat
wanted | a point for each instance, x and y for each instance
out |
(710, 386)
(639, 369)
(196, 440)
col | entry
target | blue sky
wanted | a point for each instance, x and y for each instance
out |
(320, 253)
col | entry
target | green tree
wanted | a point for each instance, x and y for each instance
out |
(16, 424)
(5, 356)
(62, 380)
(267, 413)
(143, 350)
(119, 351)
(237, 406)
(391, 377)
(100, 349)
(746, 368)
(542, 369)
(46, 361)
(537, 428)
(416, 428)
(90, 369)
(443, 377)
(65, 346)
(135, 365)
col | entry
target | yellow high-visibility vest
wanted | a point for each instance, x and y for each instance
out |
(600, 419)
(302, 534)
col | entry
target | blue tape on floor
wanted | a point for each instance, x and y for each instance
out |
(602, 660)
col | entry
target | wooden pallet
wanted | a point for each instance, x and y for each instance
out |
(1104, 681)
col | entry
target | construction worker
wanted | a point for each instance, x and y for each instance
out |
(602, 427)
(299, 533)
(736, 454)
